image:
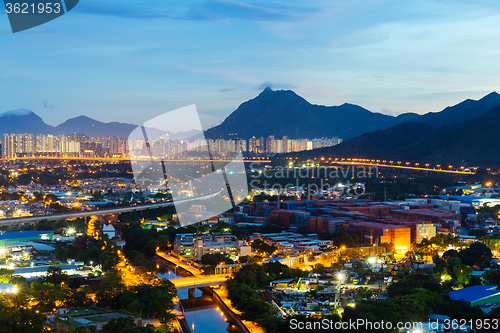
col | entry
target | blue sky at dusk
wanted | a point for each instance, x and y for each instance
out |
(129, 61)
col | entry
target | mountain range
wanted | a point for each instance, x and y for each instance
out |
(284, 113)
(465, 132)
(472, 142)
(462, 111)
(26, 121)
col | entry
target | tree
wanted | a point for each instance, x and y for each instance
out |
(50, 198)
(476, 253)
(271, 226)
(86, 329)
(263, 247)
(214, 259)
(319, 269)
(56, 275)
(454, 261)
(474, 281)
(6, 275)
(78, 298)
(493, 276)
(14, 319)
(462, 272)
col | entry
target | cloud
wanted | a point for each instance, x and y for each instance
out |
(47, 105)
(216, 10)
(390, 112)
(209, 10)
(273, 85)
(226, 90)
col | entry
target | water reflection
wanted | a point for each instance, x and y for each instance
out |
(167, 275)
(209, 321)
(206, 320)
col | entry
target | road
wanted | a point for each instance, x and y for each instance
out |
(124, 159)
(63, 216)
(378, 163)
(251, 326)
(98, 212)
(188, 265)
(198, 281)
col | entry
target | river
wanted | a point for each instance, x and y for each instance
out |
(209, 320)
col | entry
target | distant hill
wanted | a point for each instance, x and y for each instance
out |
(92, 127)
(26, 121)
(378, 144)
(465, 110)
(408, 116)
(471, 142)
(474, 141)
(23, 121)
(284, 113)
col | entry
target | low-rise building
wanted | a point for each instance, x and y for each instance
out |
(70, 320)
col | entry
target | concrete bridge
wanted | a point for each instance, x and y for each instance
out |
(199, 281)
(27, 220)
(88, 213)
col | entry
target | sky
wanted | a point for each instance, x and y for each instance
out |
(130, 61)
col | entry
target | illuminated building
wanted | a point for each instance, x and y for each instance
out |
(374, 233)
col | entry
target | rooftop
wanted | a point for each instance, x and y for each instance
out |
(90, 316)
(474, 293)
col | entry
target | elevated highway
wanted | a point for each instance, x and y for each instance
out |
(199, 281)
(123, 159)
(404, 166)
(87, 213)
(97, 212)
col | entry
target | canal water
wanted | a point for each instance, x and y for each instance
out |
(209, 320)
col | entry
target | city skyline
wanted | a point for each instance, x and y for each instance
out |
(79, 145)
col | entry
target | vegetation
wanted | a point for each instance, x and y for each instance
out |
(242, 293)
(412, 299)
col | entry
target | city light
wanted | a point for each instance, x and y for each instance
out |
(372, 260)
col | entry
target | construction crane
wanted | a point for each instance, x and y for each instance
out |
(279, 308)
(298, 284)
